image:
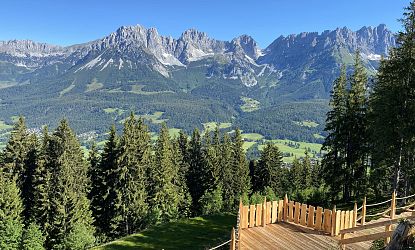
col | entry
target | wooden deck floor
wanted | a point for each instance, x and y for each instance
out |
(286, 236)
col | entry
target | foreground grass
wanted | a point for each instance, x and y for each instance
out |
(195, 233)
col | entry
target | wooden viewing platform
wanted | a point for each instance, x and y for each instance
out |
(285, 224)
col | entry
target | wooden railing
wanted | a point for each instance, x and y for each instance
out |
(331, 221)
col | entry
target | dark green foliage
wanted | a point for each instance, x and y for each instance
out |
(211, 202)
(268, 170)
(33, 239)
(131, 178)
(164, 196)
(11, 208)
(80, 237)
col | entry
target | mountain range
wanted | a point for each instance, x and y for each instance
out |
(185, 81)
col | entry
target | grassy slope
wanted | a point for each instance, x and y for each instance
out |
(195, 233)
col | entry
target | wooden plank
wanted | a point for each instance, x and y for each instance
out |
(274, 216)
(303, 216)
(367, 237)
(264, 213)
(297, 212)
(252, 216)
(268, 217)
(310, 221)
(327, 220)
(338, 222)
(245, 219)
(280, 209)
(376, 224)
(354, 215)
(333, 222)
(351, 215)
(342, 220)
(363, 221)
(291, 211)
(285, 207)
(258, 215)
(319, 218)
(346, 219)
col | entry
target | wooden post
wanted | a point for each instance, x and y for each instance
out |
(392, 215)
(310, 221)
(327, 220)
(232, 244)
(258, 215)
(338, 222)
(342, 215)
(241, 206)
(346, 220)
(297, 212)
(354, 215)
(303, 216)
(285, 207)
(252, 216)
(245, 214)
(319, 218)
(363, 220)
(333, 221)
(291, 211)
(264, 212)
(280, 210)
(274, 215)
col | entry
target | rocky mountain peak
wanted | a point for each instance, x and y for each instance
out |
(247, 45)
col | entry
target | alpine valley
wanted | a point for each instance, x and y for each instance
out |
(280, 92)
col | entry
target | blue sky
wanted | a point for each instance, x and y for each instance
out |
(75, 21)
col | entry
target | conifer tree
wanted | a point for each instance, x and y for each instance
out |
(11, 208)
(33, 239)
(227, 173)
(240, 168)
(164, 197)
(134, 158)
(69, 203)
(98, 186)
(269, 169)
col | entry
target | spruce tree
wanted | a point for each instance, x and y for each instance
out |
(241, 183)
(133, 161)
(269, 169)
(33, 238)
(227, 174)
(98, 186)
(11, 208)
(164, 197)
(69, 203)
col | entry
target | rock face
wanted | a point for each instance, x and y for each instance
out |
(299, 59)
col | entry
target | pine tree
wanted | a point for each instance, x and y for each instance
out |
(69, 203)
(11, 208)
(133, 161)
(392, 119)
(164, 195)
(98, 186)
(269, 169)
(227, 173)
(15, 153)
(240, 168)
(33, 239)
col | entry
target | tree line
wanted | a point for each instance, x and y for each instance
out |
(371, 135)
(54, 197)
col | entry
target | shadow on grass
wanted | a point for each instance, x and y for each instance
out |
(195, 233)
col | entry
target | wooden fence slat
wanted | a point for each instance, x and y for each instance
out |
(354, 215)
(333, 222)
(297, 212)
(252, 216)
(245, 218)
(327, 220)
(303, 220)
(268, 217)
(291, 211)
(338, 222)
(280, 209)
(319, 215)
(233, 240)
(310, 221)
(342, 215)
(264, 213)
(258, 215)
(274, 216)
(351, 215)
(285, 207)
(346, 220)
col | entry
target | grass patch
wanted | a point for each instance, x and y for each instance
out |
(309, 124)
(211, 126)
(195, 233)
(252, 136)
(294, 149)
(138, 89)
(248, 144)
(67, 90)
(154, 117)
(174, 132)
(4, 126)
(114, 111)
(94, 85)
(249, 104)
(318, 136)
